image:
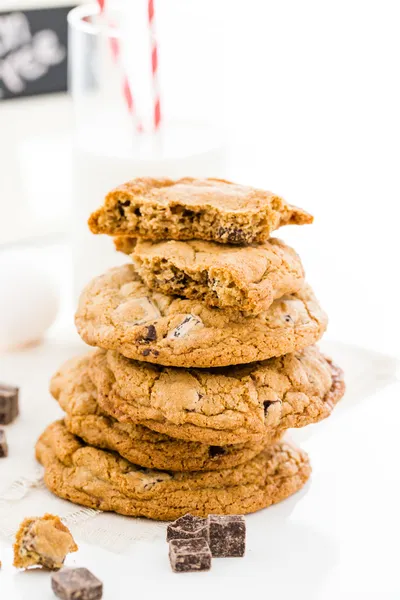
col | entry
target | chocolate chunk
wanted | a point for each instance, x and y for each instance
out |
(8, 403)
(187, 527)
(148, 351)
(266, 405)
(227, 535)
(232, 234)
(183, 328)
(189, 555)
(150, 335)
(76, 584)
(216, 451)
(120, 206)
(3, 444)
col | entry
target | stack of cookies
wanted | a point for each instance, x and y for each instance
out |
(205, 357)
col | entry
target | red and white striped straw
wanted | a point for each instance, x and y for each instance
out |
(154, 67)
(126, 88)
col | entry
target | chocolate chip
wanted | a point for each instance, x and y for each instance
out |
(233, 235)
(148, 351)
(189, 555)
(76, 584)
(137, 212)
(215, 451)
(187, 527)
(266, 405)
(189, 214)
(150, 335)
(120, 206)
(3, 444)
(227, 535)
(8, 403)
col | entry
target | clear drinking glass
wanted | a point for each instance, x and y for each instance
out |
(114, 144)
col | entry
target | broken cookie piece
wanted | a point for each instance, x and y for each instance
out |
(227, 535)
(187, 209)
(8, 403)
(187, 527)
(245, 278)
(42, 541)
(76, 584)
(189, 555)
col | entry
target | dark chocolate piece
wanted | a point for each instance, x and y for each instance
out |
(151, 334)
(3, 444)
(189, 555)
(8, 403)
(233, 235)
(227, 535)
(216, 451)
(187, 527)
(76, 584)
(266, 405)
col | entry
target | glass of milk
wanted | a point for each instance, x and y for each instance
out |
(113, 144)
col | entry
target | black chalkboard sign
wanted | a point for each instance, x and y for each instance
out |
(33, 52)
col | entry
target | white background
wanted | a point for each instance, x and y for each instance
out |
(311, 106)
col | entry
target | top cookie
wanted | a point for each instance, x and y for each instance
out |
(205, 209)
(247, 278)
(118, 312)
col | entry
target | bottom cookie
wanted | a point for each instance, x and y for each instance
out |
(99, 479)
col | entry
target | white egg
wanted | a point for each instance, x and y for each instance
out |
(28, 299)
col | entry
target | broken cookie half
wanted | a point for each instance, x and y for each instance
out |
(42, 542)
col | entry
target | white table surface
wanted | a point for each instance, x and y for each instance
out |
(338, 538)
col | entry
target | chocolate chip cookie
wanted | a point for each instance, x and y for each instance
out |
(186, 209)
(247, 278)
(118, 311)
(73, 388)
(103, 480)
(233, 405)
